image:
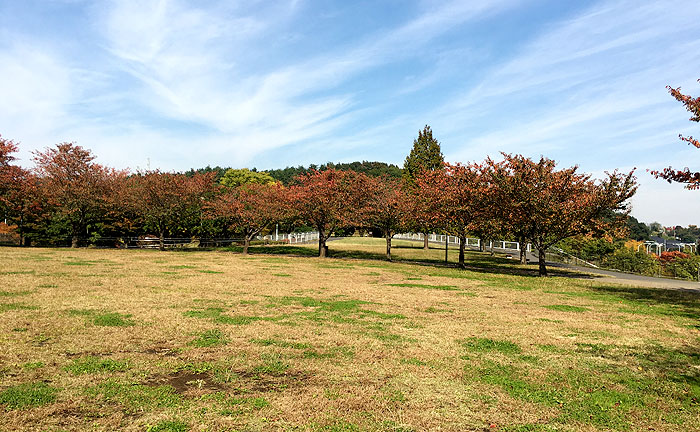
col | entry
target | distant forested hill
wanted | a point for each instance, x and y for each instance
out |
(285, 175)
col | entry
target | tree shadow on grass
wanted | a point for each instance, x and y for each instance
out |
(478, 262)
(678, 302)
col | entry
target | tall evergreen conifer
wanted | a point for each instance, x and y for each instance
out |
(425, 156)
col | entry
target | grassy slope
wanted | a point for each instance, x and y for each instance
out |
(174, 341)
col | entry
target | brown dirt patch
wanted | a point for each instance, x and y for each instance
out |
(186, 381)
(161, 351)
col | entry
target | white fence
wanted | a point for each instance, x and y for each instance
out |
(293, 238)
(471, 242)
(310, 237)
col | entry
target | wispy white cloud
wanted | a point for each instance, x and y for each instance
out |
(589, 91)
(184, 83)
(188, 61)
(36, 90)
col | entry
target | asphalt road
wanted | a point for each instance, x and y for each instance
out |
(618, 277)
(632, 279)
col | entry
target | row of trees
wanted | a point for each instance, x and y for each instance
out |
(519, 198)
(288, 174)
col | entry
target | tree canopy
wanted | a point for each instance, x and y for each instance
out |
(562, 203)
(236, 177)
(329, 200)
(425, 155)
(691, 179)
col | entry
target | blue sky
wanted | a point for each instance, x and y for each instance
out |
(175, 84)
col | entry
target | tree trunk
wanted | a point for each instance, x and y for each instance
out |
(322, 248)
(161, 241)
(482, 245)
(542, 262)
(388, 246)
(74, 241)
(523, 250)
(246, 244)
(425, 241)
(462, 244)
(492, 249)
(20, 231)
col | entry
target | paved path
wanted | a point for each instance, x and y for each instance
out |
(612, 276)
(632, 279)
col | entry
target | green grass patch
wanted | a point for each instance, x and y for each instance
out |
(216, 314)
(210, 338)
(210, 271)
(136, 397)
(566, 308)
(33, 365)
(112, 319)
(511, 381)
(413, 361)
(80, 263)
(330, 353)
(233, 406)
(14, 293)
(4, 307)
(475, 344)
(169, 426)
(103, 319)
(81, 312)
(94, 364)
(272, 364)
(28, 395)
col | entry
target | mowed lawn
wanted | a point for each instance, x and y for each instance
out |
(140, 340)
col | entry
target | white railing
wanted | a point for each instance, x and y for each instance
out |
(293, 238)
(312, 236)
(471, 242)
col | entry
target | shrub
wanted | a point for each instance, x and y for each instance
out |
(685, 267)
(589, 249)
(636, 262)
(667, 257)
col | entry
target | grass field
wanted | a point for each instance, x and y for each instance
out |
(106, 340)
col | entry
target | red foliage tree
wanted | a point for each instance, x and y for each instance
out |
(24, 201)
(251, 208)
(328, 200)
(545, 205)
(458, 199)
(670, 256)
(167, 201)
(388, 208)
(7, 170)
(690, 178)
(19, 190)
(77, 186)
(514, 195)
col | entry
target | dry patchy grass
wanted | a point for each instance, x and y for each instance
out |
(194, 341)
